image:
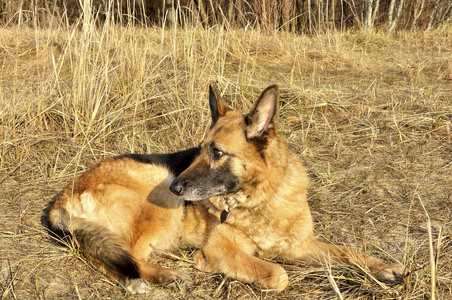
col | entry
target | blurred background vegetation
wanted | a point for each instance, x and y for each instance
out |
(289, 15)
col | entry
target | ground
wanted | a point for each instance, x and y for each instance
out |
(368, 113)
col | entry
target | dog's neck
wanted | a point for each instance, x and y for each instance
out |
(222, 206)
(227, 202)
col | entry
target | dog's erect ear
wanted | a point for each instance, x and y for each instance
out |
(218, 107)
(264, 115)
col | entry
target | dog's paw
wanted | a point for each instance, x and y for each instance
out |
(200, 261)
(136, 286)
(393, 274)
(278, 281)
(168, 276)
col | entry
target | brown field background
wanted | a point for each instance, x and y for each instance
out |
(308, 16)
(369, 114)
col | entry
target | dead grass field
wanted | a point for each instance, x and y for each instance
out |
(370, 115)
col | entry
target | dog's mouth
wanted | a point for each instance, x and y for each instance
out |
(196, 191)
(198, 194)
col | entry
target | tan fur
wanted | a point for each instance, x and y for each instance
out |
(132, 201)
(268, 215)
(267, 212)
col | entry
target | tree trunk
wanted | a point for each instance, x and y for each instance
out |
(326, 13)
(319, 14)
(309, 15)
(354, 12)
(375, 11)
(395, 19)
(240, 10)
(391, 13)
(432, 18)
(213, 14)
(203, 12)
(368, 5)
(287, 9)
(448, 14)
(231, 12)
(417, 13)
(333, 11)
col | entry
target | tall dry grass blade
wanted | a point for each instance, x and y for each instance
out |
(11, 284)
(333, 283)
(438, 244)
(76, 288)
(430, 248)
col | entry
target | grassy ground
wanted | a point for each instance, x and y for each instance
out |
(369, 114)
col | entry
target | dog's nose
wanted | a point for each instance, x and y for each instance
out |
(176, 188)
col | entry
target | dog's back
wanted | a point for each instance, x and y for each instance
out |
(120, 206)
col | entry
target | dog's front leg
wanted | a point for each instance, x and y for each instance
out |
(229, 251)
(315, 250)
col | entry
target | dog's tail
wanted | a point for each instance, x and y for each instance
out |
(104, 248)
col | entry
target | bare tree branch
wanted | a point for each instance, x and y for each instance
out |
(417, 13)
(433, 16)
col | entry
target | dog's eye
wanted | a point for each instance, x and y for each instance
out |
(217, 153)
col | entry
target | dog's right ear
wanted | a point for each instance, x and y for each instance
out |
(264, 115)
(218, 107)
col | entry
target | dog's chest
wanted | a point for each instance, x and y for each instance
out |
(269, 233)
(272, 228)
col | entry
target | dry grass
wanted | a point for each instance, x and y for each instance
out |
(370, 114)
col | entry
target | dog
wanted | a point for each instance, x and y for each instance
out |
(240, 198)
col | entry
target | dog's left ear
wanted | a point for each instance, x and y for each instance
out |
(264, 115)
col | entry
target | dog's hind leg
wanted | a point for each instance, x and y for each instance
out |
(315, 250)
(156, 229)
(158, 274)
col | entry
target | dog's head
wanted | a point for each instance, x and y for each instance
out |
(233, 153)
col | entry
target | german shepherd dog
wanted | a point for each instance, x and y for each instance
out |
(241, 195)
